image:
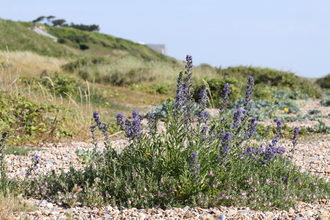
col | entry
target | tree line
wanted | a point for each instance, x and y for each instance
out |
(51, 21)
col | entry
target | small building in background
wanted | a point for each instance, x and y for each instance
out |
(161, 48)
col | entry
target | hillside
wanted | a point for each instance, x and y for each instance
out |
(16, 36)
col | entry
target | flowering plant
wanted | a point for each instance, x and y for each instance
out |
(194, 160)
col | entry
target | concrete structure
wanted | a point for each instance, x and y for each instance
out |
(41, 30)
(161, 48)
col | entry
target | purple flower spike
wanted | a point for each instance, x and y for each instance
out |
(295, 136)
(189, 64)
(224, 101)
(133, 129)
(251, 128)
(225, 146)
(237, 119)
(184, 94)
(194, 165)
(96, 117)
(277, 133)
(203, 115)
(248, 98)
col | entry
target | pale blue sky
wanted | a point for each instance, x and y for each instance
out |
(291, 35)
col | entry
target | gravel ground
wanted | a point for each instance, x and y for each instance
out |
(312, 154)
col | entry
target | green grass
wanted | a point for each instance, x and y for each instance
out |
(17, 37)
(18, 150)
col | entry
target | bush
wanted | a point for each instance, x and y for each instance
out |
(85, 62)
(83, 47)
(274, 78)
(25, 121)
(194, 161)
(324, 82)
(325, 102)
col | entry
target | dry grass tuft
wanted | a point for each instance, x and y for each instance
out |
(29, 64)
(10, 205)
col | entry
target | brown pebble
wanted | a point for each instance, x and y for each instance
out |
(291, 211)
(323, 217)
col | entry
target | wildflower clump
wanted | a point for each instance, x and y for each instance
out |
(195, 160)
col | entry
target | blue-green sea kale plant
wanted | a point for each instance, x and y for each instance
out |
(188, 158)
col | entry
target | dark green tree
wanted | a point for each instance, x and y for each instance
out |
(58, 22)
(41, 18)
(49, 18)
(84, 27)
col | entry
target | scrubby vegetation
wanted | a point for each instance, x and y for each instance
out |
(197, 160)
(194, 160)
(62, 23)
(324, 82)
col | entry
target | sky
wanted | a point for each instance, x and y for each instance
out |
(287, 35)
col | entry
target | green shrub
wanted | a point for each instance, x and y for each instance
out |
(153, 88)
(85, 62)
(274, 78)
(325, 102)
(25, 120)
(321, 127)
(314, 112)
(288, 106)
(324, 82)
(294, 95)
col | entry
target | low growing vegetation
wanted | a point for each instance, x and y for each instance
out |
(194, 159)
(178, 153)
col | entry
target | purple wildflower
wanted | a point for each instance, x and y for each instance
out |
(271, 152)
(101, 126)
(224, 101)
(120, 121)
(294, 141)
(184, 94)
(251, 152)
(277, 133)
(189, 64)
(184, 105)
(224, 148)
(36, 159)
(181, 94)
(133, 129)
(248, 94)
(295, 136)
(96, 117)
(35, 162)
(264, 155)
(203, 115)
(237, 119)
(194, 165)
(248, 97)
(252, 127)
